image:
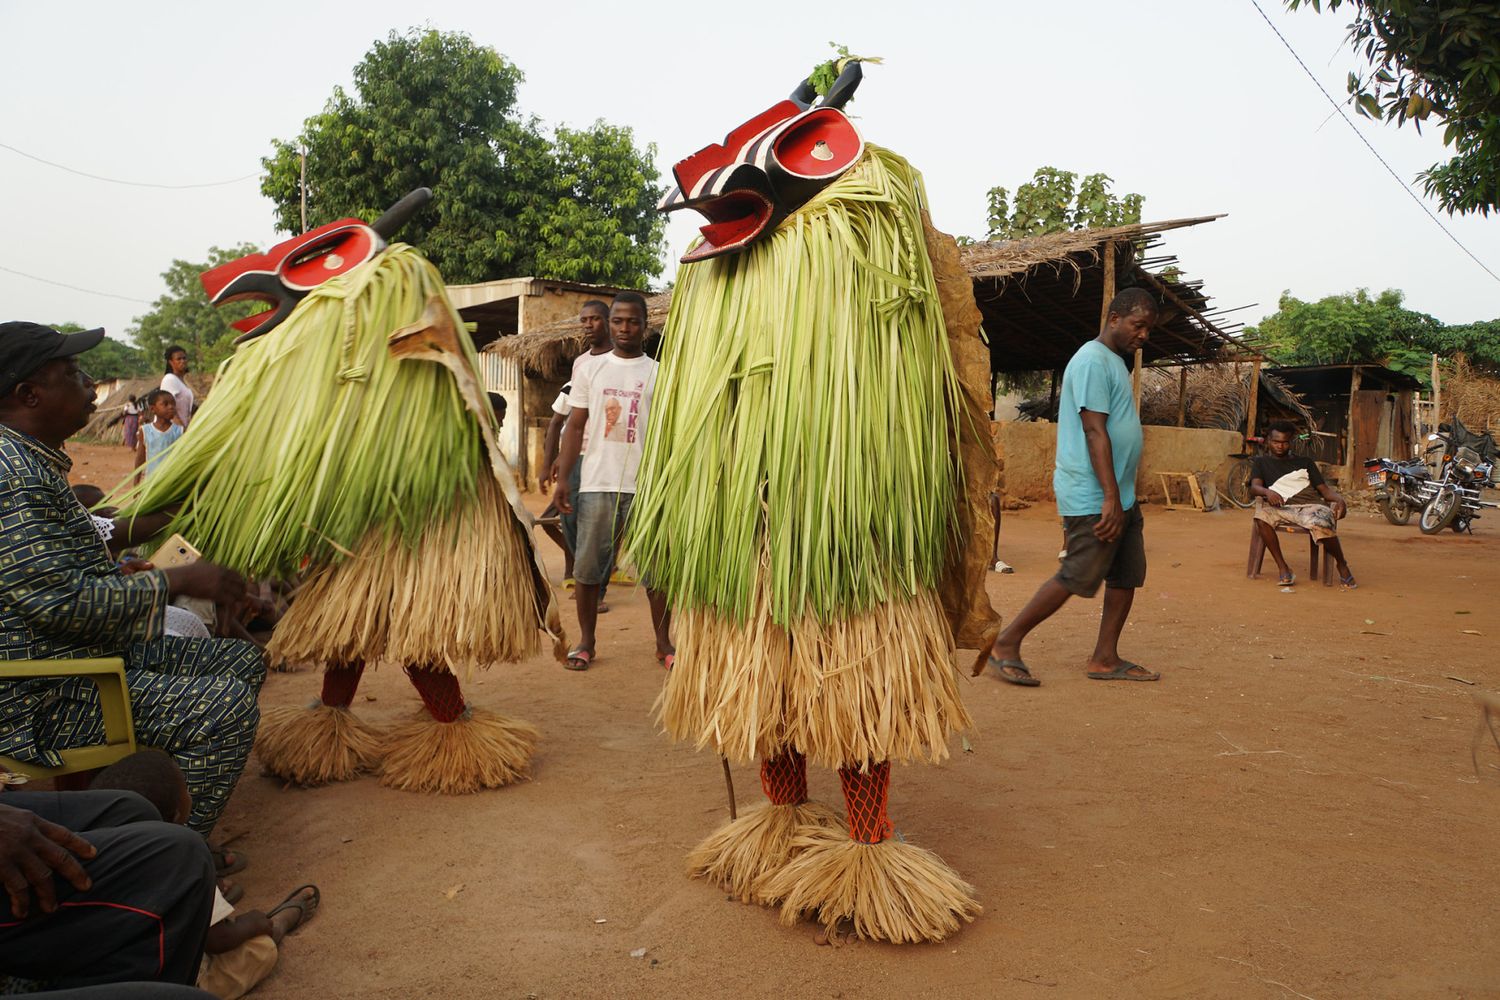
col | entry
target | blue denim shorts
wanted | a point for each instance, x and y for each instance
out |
(601, 522)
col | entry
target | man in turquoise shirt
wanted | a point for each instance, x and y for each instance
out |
(1098, 452)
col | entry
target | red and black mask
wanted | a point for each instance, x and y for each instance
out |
(768, 167)
(284, 274)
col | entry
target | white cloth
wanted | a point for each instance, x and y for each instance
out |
(186, 623)
(222, 909)
(1291, 484)
(617, 393)
(180, 392)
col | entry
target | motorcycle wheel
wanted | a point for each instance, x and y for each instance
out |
(1395, 511)
(1439, 512)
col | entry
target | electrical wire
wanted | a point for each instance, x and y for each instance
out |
(115, 180)
(1337, 107)
(74, 288)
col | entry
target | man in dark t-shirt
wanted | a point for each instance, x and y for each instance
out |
(1305, 501)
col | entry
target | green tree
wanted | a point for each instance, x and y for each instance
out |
(183, 315)
(1354, 327)
(435, 109)
(111, 359)
(1434, 61)
(1054, 201)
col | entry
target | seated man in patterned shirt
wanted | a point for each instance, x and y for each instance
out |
(63, 597)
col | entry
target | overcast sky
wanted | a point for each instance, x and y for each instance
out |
(1194, 104)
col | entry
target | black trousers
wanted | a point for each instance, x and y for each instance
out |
(145, 917)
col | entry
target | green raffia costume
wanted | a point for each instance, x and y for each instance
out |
(353, 445)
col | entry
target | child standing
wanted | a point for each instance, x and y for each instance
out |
(157, 435)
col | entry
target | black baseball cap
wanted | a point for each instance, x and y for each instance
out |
(25, 347)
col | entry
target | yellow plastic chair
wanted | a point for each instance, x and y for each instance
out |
(114, 702)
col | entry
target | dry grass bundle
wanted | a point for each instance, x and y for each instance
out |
(482, 749)
(464, 599)
(105, 425)
(315, 745)
(890, 891)
(727, 688)
(1218, 396)
(1471, 395)
(740, 855)
(878, 685)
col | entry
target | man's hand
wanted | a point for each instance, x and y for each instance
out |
(1273, 498)
(205, 580)
(1111, 520)
(561, 499)
(31, 849)
(550, 476)
(133, 565)
(1340, 508)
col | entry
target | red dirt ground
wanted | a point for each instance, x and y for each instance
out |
(1291, 812)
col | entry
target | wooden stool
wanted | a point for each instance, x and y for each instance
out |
(1258, 554)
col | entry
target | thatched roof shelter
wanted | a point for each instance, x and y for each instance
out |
(105, 425)
(1042, 297)
(551, 348)
(1218, 396)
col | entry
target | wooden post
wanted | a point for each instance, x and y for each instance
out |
(1437, 395)
(1254, 398)
(1109, 283)
(1349, 443)
(1182, 396)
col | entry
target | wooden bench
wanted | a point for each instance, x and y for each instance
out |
(114, 703)
(1314, 550)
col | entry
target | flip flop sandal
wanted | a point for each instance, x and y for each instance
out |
(233, 892)
(602, 609)
(1286, 579)
(1025, 680)
(1123, 673)
(579, 659)
(667, 660)
(304, 907)
(1348, 582)
(222, 863)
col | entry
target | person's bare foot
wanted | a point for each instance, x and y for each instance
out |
(294, 911)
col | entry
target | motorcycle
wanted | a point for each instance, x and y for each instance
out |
(1469, 469)
(1400, 487)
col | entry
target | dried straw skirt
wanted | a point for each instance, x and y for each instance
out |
(464, 598)
(878, 685)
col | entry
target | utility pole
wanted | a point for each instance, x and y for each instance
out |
(302, 155)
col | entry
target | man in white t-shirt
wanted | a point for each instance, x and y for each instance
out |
(593, 316)
(611, 402)
(174, 381)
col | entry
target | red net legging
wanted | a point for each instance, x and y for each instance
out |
(784, 778)
(865, 795)
(340, 683)
(439, 691)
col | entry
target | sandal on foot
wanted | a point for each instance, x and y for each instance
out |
(304, 907)
(1122, 672)
(1348, 582)
(1286, 579)
(1024, 679)
(227, 862)
(579, 659)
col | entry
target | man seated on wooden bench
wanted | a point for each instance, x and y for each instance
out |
(1286, 488)
(63, 597)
